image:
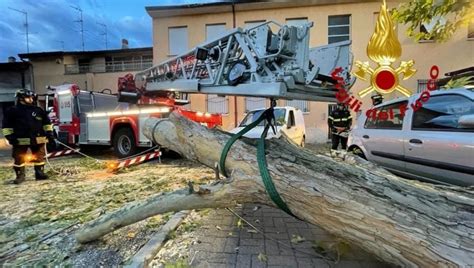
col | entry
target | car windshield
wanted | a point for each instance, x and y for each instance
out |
(254, 115)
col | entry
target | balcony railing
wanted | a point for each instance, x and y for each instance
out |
(108, 67)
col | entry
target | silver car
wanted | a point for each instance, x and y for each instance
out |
(435, 143)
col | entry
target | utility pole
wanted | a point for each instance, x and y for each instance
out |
(104, 33)
(26, 27)
(62, 43)
(82, 25)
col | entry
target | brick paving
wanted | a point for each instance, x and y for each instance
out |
(223, 244)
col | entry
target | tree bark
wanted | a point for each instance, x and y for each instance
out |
(404, 222)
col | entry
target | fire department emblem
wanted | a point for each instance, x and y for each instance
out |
(384, 49)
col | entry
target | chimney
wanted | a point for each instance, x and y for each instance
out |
(124, 43)
(11, 59)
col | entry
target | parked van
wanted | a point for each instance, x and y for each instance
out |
(289, 120)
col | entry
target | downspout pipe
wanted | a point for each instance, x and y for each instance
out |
(235, 97)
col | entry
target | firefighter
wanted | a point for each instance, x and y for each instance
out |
(27, 126)
(339, 121)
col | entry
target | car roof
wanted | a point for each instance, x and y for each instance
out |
(277, 107)
(467, 92)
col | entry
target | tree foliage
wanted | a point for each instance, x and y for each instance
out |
(446, 15)
(459, 82)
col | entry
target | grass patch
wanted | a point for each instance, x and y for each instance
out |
(181, 263)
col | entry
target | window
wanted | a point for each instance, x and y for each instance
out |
(217, 104)
(339, 28)
(442, 113)
(253, 103)
(470, 31)
(297, 21)
(127, 63)
(394, 119)
(253, 116)
(428, 27)
(423, 85)
(214, 30)
(424, 29)
(300, 104)
(291, 119)
(84, 65)
(177, 40)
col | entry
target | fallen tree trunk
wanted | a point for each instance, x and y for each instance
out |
(403, 222)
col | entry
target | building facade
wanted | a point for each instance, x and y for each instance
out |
(90, 70)
(13, 76)
(177, 29)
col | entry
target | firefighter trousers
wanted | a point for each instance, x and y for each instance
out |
(19, 154)
(335, 142)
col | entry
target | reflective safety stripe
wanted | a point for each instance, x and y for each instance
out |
(350, 117)
(337, 120)
(21, 165)
(7, 131)
(38, 164)
(48, 127)
(330, 117)
(344, 119)
(40, 140)
(23, 141)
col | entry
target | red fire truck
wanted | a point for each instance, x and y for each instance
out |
(99, 118)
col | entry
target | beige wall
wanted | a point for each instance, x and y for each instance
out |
(454, 54)
(48, 72)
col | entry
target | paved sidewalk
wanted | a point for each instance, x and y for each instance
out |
(220, 243)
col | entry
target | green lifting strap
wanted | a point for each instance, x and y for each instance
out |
(262, 162)
(235, 137)
(267, 179)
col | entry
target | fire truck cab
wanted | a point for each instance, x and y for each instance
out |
(94, 118)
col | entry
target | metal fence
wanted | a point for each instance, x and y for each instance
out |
(300, 104)
(107, 67)
(216, 104)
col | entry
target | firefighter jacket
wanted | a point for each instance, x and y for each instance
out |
(339, 118)
(26, 125)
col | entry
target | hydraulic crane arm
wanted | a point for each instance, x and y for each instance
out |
(269, 60)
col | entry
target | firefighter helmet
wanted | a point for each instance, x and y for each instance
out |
(22, 94)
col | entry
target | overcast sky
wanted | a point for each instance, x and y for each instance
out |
(52, 22)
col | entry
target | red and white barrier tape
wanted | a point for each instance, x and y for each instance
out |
(138, 160)
(61, 153)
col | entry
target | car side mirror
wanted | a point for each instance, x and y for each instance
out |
(466, 121)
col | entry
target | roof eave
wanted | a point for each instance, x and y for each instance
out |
(85, 53)
(220, 7)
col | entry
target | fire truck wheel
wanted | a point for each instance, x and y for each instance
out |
(124, 143)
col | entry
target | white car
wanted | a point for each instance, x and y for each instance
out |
(434, 143)
(289, 120)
